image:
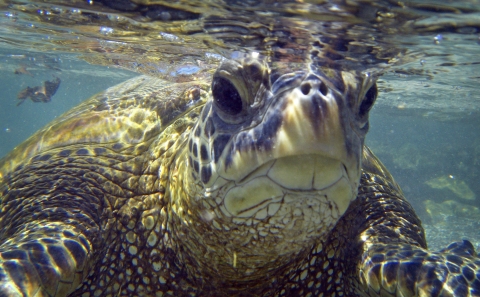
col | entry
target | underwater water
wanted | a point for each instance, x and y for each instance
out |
(424, 126)
(436, 162)
(79, 81)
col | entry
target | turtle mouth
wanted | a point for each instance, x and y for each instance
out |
(291, 180)
(301, 172)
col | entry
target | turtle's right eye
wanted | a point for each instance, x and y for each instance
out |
(226, 96)
(368, 101)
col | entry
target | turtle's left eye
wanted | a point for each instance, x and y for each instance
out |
(226, 96)
(368, 101)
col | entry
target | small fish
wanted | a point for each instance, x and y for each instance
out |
(40, 93)
(23, 70)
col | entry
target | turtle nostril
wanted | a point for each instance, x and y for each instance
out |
(305, 88)
(323, 89)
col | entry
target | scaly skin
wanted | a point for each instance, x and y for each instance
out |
(107, 200)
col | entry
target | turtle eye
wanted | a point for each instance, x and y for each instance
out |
(226, 96)
(368, 101)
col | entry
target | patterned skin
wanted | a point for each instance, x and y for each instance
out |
(241, 188)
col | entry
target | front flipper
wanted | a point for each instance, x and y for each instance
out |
(46, 260)
(53, 221)
(394, 259)
(410, 271)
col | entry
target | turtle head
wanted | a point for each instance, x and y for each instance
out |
(282, 159)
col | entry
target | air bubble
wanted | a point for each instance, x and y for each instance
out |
(106, 30)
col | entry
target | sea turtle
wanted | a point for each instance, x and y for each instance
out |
(241, 187)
